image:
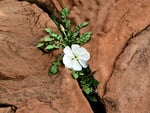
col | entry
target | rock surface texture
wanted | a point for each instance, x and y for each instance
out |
(24, 80)
(119, 54)
(128, 89)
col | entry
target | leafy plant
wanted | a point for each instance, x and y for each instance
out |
(68, 37)
(87, 82)
(54, 68)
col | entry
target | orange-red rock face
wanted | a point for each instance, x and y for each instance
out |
(113, 23)
(128, 89)
(24, 80)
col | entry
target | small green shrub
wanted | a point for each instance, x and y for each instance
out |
(67, 38)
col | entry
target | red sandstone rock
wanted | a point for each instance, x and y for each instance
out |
(5, 110)
(128, 89)
(113, 23)
(24, 80)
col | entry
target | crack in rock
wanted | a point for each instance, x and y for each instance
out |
(12, 109)
(129, 82)
(133, 53)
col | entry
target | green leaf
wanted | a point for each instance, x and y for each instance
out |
(54, 35)
(82, 82)
(59, 37)
(47, 39)
(81, 73)
(84, 24)
(78, 27)
(68, 24)
(84, 37)
(64, 13)
(75, 75)
(53, 70)
(47, 30)
(86, 89)
(49, 47)
(56, 62)
(75, 34)
(95, 83)
(40, 45)
(55, 19)
(92, 98)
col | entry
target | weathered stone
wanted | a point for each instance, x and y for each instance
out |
(113, 23)
(128, 89)
(24, 80)
(5, 110)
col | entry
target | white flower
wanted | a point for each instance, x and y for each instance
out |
(75, 57)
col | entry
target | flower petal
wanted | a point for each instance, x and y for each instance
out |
(67, 50)
(81, 52)
(75, 48)
(75, 57)
(84, 57)
(83, 63)
(84, 54)
(76, 66)
(67, 61)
